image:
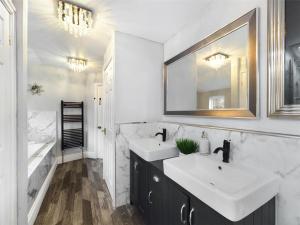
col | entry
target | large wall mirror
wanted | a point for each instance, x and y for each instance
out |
(284, 58)
(216, 76)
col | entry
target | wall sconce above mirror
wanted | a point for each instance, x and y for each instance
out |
(284, 58)
(217, 76)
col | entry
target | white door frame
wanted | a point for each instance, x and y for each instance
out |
(109, 167)
(98, 131)
(21, 34)
(13, 108)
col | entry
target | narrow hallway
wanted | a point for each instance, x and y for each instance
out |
(78, 196)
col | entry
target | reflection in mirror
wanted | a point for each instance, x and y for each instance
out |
(292, 53)
(213, 77)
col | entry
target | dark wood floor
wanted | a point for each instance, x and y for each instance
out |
(78, 196)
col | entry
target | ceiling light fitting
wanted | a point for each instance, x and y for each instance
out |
(77, 64)
(76, 20)
(217, 60)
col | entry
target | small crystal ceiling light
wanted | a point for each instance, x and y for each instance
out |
(217, 60)
(77, 64)
(76, 20)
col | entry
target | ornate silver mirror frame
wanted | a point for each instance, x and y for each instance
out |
(276, 54)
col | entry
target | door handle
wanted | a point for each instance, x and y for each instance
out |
(135, 165)
(181, 214)
(155, 178)
(99, 127)
(191, 216)
(104, 131)
(149, 197)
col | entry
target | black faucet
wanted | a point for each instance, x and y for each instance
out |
(163, 134)
(225, 149)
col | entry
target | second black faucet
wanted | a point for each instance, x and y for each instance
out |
(225, 149)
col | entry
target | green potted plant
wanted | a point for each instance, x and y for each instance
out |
(186, 146)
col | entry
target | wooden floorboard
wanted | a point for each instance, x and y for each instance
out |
(78, 195)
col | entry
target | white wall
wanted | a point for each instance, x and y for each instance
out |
(58, 84)
(62, 84)
(218, 14)
(138, 81)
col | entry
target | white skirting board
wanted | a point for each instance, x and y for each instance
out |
(76, 156)
(41, 195)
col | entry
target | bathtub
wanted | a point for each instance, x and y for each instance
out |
(42, 149)
(34, 148)
(36, 153)
(41, 167)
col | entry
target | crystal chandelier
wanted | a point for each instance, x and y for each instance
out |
(77, 64)
(75, 19)
(217, 60)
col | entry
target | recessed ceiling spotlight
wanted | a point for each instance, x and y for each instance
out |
(77, 64)
(76, 20)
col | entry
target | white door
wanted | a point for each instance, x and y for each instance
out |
(8, 202)
(109, 131)
(99, 119)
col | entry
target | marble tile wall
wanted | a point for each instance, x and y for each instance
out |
(42, 126)
(278, 154)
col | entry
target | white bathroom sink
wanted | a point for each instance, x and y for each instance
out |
(233, 190)
(150, 149)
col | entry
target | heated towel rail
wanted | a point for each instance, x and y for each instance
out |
(73, 136)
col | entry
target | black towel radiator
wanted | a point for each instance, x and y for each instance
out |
(73, 137)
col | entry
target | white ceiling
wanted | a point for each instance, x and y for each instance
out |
(156, 20)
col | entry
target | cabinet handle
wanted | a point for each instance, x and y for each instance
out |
(181, 214)
(149, 197)
(135, 165)
(156, 179)
(191, 216)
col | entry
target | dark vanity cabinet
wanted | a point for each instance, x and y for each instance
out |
(157, 197)
(177, 205)
(184, 208)
(148, 190)
(163, 202)
(139, 185)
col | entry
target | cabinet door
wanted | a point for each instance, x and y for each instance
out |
(177, 205)
(157, 198)
(133, 179)
(143, 186)
(201, 214)
(140, 184)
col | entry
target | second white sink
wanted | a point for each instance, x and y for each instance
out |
(233, 190)
(150, 149)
